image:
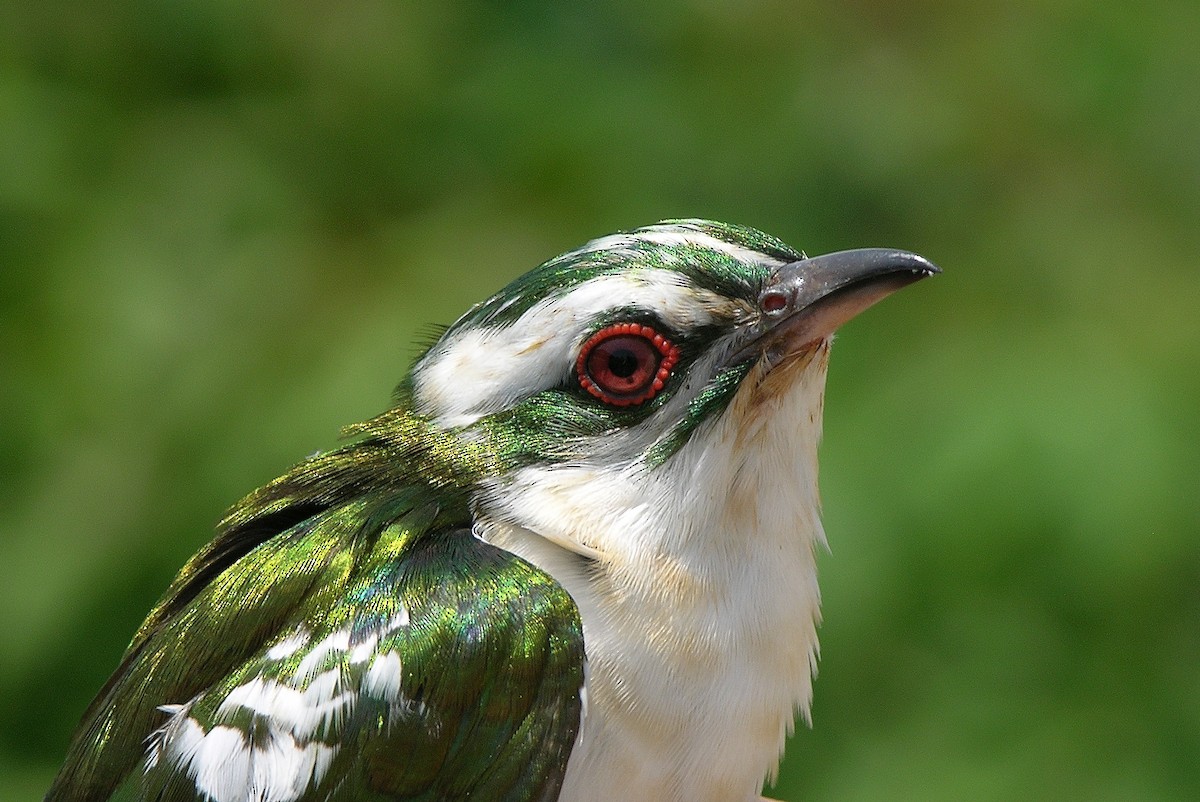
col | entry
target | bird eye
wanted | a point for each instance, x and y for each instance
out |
(625, 364)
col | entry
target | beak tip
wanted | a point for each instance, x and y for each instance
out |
(914, 262)
(811, 297)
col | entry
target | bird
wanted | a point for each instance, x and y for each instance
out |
(574, 560)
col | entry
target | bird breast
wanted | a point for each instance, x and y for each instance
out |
(699, 596)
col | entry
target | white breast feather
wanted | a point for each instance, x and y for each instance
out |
(700, 621)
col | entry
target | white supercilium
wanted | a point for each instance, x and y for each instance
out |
(476, 371)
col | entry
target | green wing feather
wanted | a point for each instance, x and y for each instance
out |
(346, 620)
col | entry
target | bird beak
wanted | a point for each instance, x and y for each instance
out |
(807, 300)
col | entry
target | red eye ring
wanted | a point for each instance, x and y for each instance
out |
(625, 363)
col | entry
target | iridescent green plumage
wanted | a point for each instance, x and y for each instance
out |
(699, 265)
(347, 542)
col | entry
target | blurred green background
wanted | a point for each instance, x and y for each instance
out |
(223, 225)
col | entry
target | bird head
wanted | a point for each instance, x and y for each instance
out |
(628, 360)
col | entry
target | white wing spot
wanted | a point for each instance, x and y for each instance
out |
(382, 679)
(400, 619)
(226, 768)
(338, 641)
(323, 705)
(220, 764)
(288, 646)
(363, 651)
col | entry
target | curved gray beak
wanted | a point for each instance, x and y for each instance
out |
(809, 299)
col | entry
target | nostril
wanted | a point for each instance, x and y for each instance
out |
(773, 301)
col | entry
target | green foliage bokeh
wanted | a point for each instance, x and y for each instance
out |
(224, 226)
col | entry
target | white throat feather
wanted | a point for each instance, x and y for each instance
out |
(701, 607)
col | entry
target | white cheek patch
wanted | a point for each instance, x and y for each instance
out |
(475, 372)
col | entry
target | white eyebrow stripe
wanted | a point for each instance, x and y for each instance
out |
(678, 235)
(481, 370)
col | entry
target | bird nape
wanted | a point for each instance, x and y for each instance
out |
(575, 560)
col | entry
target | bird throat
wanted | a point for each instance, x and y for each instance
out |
(700, 607)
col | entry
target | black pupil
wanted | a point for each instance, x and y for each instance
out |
(622, 362)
